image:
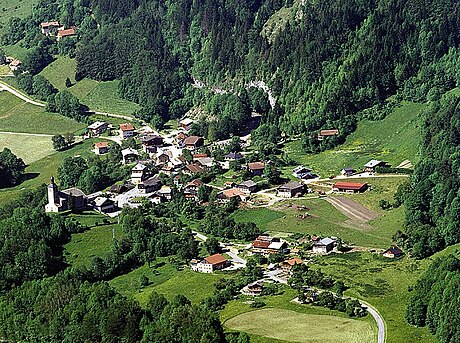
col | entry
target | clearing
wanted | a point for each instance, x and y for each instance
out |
(29, 148)
(98, 96)
(293, 326)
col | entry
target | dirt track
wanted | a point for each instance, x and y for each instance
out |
(352, 209)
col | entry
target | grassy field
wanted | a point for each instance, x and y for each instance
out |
(4, 70)
(29, 148)
(19, 116)
(15, 8)
(99, 96)
(393, 139)
(293, 326)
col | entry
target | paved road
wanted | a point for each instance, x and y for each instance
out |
(378, 319)
(4, 86)
(236, 258)
(122, 116)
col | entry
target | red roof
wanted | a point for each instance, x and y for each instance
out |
(216, 259)
(126, 127)
(333, 132)
(196, 183)
(192, 140)
(256, 165)
(261, 244)
(194, 168)
(294, 261)
(100, 145)
(65, 33)
(355, 186)
(232, 192)
(199, 155)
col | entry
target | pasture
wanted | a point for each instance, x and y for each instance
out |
(28, 147)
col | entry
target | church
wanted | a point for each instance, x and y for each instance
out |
(69, 199)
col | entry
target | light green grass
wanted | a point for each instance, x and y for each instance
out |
(15, 8)
(18, 116)
(98, 96)
(4, 70)
(29, 148)
(300, 327)
(16, 51)
(393, 139)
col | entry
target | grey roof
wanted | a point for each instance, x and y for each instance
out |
(248, 183)
(372, 163)
(99, 201)
(234, 156)
(96, 125)
(325, 241)
(155, 180)
(129, 151)
(74, 192)
(292, 185)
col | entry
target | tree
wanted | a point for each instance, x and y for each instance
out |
(59, 142)
(212, 245)
(143, 281)
(68, 83)
(69, 138)
(2, 57)
(11, 168)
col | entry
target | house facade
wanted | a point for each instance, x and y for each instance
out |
(291, 189)
(210, 264)
(101, 148)
(126, 130)
(247, 187)
(324, 246)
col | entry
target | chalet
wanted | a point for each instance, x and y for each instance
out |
(291, 189)
(193, 142)
(194, 168)
(65, 33)
(191, 189)
(348, 171)
(186, 124)
(268, 245)
(69, 199)
(210, 264)
(229, 184)
(126, 130)
(372, 165)
(327, 133)
(233, 156)
(129, 155)
(49, 28)
(150, 143)
(256, 168)
(288, 264)
(206, 162)
(118, 189)
(349, 187)
(103, 205)
(15, 64)
(163, 157)
(302, 172)
(233, 193)
(392, 252)
(247, 187)
(180, 138)
(253, 289)
(98, 127)
(138, 173)
(101, 148)
(149, 185)
(324, 245)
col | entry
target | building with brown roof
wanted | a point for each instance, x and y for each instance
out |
(210, 264)
(288, 264)
(349, 187)
(49, 28)
(66, 33)
(193, 142)
(327, 133)
(194, 168)
(253, 289)
(291, 189)
(101, 148)
(233, 193)
(392, 252)
(247, 187)
(268, 245)
(256, 168)
(126, 130)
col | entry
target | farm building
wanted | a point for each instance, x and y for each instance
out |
(101, 148)
(193, 142)
(288, 264)
(186, 124)
(268, 245)
(392, 252)
(103, 205)
(327, 133)
(232, 193)
(247, 187)
(291, 189)
(210, 264)
(256, 168)
(324, 246)
(347, 171)
(66, 33)
(373, 164)
(349, 187)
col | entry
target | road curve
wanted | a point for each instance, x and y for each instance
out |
(378, 319)
(4, 86)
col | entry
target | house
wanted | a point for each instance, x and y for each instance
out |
(101, 148)
(180, 138)
(69, 199)
(302, 172)
(193, 142)
(324, 245)
(150, 143)
(247, 187)
(233, 156)
(233, 193)
(166, 192)
(229, 184)
(118, 189)
(49, 28)
(149, 185)
(126, 130)
(103, 205)
(392, 252)
(191, 189)
(196, 157)
(65, 33)
(206, 162)
(194, 168)
(15, 64)
(210, 264)
(129, 155)
(253, 289)
(98, 127)
(349, 187)
(256, 168)
(291, 189)
(327, 133)
(372, 165)
(138, 173)
(348, 171)
(268, 245)
(163, 157)
(186, 124)
(288, 264)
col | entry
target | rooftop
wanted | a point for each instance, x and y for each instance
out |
(192, 140)
(67, 32)
(292, 185)
(126, 127)
(96, 125)
(256, 165)
(349, 185)
(216, 259)
(248, 183)
(101, 145)
(372, 163)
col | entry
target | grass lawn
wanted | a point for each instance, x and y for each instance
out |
(167, 280)
(384, 284)
(18, 116)
(16, 51)
(293, 326)
(99, 96)
(393, 139)
(4, 70)
(29, 148)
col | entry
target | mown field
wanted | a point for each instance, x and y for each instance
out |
(393, 139)
(99, 96)
(29, 148)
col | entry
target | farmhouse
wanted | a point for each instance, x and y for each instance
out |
(233, 193)
(103, 205)
(69, 199)
(138, 173)
(15, 64)
(324, 246)
(149, 185)
(150, 143)
(372, 165)
(126, 130)
(247, 187)
(101, 148)
(291, 189)
(349, 187)
(268, 245)
(233, 156)
(327, 133)
(98, 127)
(392, 252)
(186, 124)
(348, 171)
(288, 264)
(210, 264)
(129, 155)
(256, 168)
(49, 28)
(66, 33)
(193, 142)
(253, 289)
(302, 172)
